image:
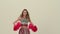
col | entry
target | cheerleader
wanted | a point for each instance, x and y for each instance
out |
(24, 19)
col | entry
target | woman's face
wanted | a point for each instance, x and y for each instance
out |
(24, 13)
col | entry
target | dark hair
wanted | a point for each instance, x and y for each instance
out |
(27, 16)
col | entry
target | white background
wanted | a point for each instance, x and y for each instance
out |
(44, 13)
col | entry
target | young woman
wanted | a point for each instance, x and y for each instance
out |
(24, 19)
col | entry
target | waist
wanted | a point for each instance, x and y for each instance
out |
(24, 24)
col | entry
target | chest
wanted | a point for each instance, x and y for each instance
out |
(24, 20)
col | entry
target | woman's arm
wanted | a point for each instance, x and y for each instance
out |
(17, 20)
(30, 22)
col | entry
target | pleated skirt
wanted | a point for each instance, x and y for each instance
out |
(24, 30)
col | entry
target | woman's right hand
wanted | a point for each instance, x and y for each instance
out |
(15, 23)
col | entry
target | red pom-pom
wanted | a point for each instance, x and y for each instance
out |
(33, 27)
(16, 26)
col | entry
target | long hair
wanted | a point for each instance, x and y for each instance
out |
(27, 16)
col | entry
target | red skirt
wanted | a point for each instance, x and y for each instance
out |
(24, 30)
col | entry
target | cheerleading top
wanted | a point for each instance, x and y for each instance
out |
(24, 21)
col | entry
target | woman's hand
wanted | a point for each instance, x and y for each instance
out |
(15, 23)
(31, 22)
